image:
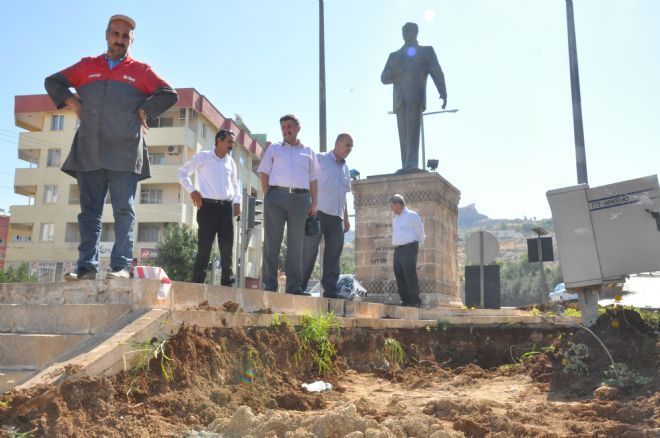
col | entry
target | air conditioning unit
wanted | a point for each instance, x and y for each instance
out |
(173, 150)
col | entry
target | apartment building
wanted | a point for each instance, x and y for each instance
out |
(45, 233)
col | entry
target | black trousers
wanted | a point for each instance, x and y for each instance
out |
(405, 272)
(214, 219)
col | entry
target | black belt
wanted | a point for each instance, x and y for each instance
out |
(216, 201)
(288, 189)
(406, 244)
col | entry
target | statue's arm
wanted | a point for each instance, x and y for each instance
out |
(437, 75)
(387, 77)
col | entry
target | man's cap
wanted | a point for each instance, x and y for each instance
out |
(125, 18)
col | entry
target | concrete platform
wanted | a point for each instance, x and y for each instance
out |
(34, 350)
(72, 319)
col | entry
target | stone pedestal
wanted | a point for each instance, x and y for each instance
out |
(436, 200)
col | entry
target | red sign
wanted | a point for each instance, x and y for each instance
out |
(148, 253)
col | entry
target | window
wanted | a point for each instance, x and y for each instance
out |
(74, 194)
(72, 232)
(151, 196)
(148, 232)
(157, 158)
(53, 159)
(56, 122)
(19, 238)
(50, 194)
(182, 114)
(160, 122)
(47, 231)
(203, 130)
(108, 232)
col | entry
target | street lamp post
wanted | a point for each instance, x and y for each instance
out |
(423, 136)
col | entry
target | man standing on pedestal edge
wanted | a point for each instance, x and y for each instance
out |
(218, 190)
(288, 173)
(333, 184)
(407, 236)
(407, 69)
(116, 96)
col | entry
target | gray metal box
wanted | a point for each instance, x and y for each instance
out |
(605, 233)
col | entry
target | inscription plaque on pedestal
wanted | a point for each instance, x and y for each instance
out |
(436, 200)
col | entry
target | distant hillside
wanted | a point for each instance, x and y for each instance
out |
(468, 216)
(512, 234)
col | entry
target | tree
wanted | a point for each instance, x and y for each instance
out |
(520, 282)
(177, 251)
(17, 275)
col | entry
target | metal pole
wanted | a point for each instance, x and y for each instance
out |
(323, 147)
(540, 250)
(578, 130)
(481, 270)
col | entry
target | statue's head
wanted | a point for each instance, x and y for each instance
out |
(409, 32)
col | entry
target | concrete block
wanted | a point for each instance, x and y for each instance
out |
(10, 378)
(336, 306)
(369, 310)
(61, 319)
(219, 295)
(308, 305)
(281, 303)
(401, 312)
(30, 350)
(252, 300)
(31, 293)
(187, 294)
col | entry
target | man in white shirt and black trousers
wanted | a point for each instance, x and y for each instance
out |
(288, 173)
(407, 236)
(218, 190)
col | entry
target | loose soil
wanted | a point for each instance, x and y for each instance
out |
(455, 381)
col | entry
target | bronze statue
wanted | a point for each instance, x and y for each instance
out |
(407, 69)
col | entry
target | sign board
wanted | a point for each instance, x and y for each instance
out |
(546, 249)
(105, 249)
(491, 287)
(472, 247)
(148, 253)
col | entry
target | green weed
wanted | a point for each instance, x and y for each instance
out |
(5, 404)
(313, 332)
(442, 325)
(148, 350)
(574, 359)
(573, 313)
(393, 352)
(620, 376)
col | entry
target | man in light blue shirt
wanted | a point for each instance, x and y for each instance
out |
(334, 182)
(407, 235)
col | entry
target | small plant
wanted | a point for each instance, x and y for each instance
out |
(535, 311)
(507, 366)
(393, 352)
(15, 434)
(618, 375)
(279, 320)
(153, 349)
(313, 332)
(572, 313)
(442, 325)
(535, 351)
(574, 359)
(5, 404)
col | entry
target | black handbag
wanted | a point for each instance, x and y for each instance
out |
(312, 226)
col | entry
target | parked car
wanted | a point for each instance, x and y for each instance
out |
(348, 288)
(560, 294)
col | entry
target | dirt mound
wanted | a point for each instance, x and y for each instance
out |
(246, 382)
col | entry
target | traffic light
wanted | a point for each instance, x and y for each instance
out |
(253, 210)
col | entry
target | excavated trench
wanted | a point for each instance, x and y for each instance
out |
(505, 380)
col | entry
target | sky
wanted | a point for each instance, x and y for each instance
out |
(505, 64)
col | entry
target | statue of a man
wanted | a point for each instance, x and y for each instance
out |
(407, 69)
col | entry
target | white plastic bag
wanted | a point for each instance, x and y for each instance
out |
(318, 386)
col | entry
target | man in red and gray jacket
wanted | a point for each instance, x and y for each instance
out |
(116, 97)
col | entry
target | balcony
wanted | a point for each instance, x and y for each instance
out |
(160, 213)
(169, 136)
(163, 174)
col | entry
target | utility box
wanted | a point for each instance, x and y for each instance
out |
(605, 233)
